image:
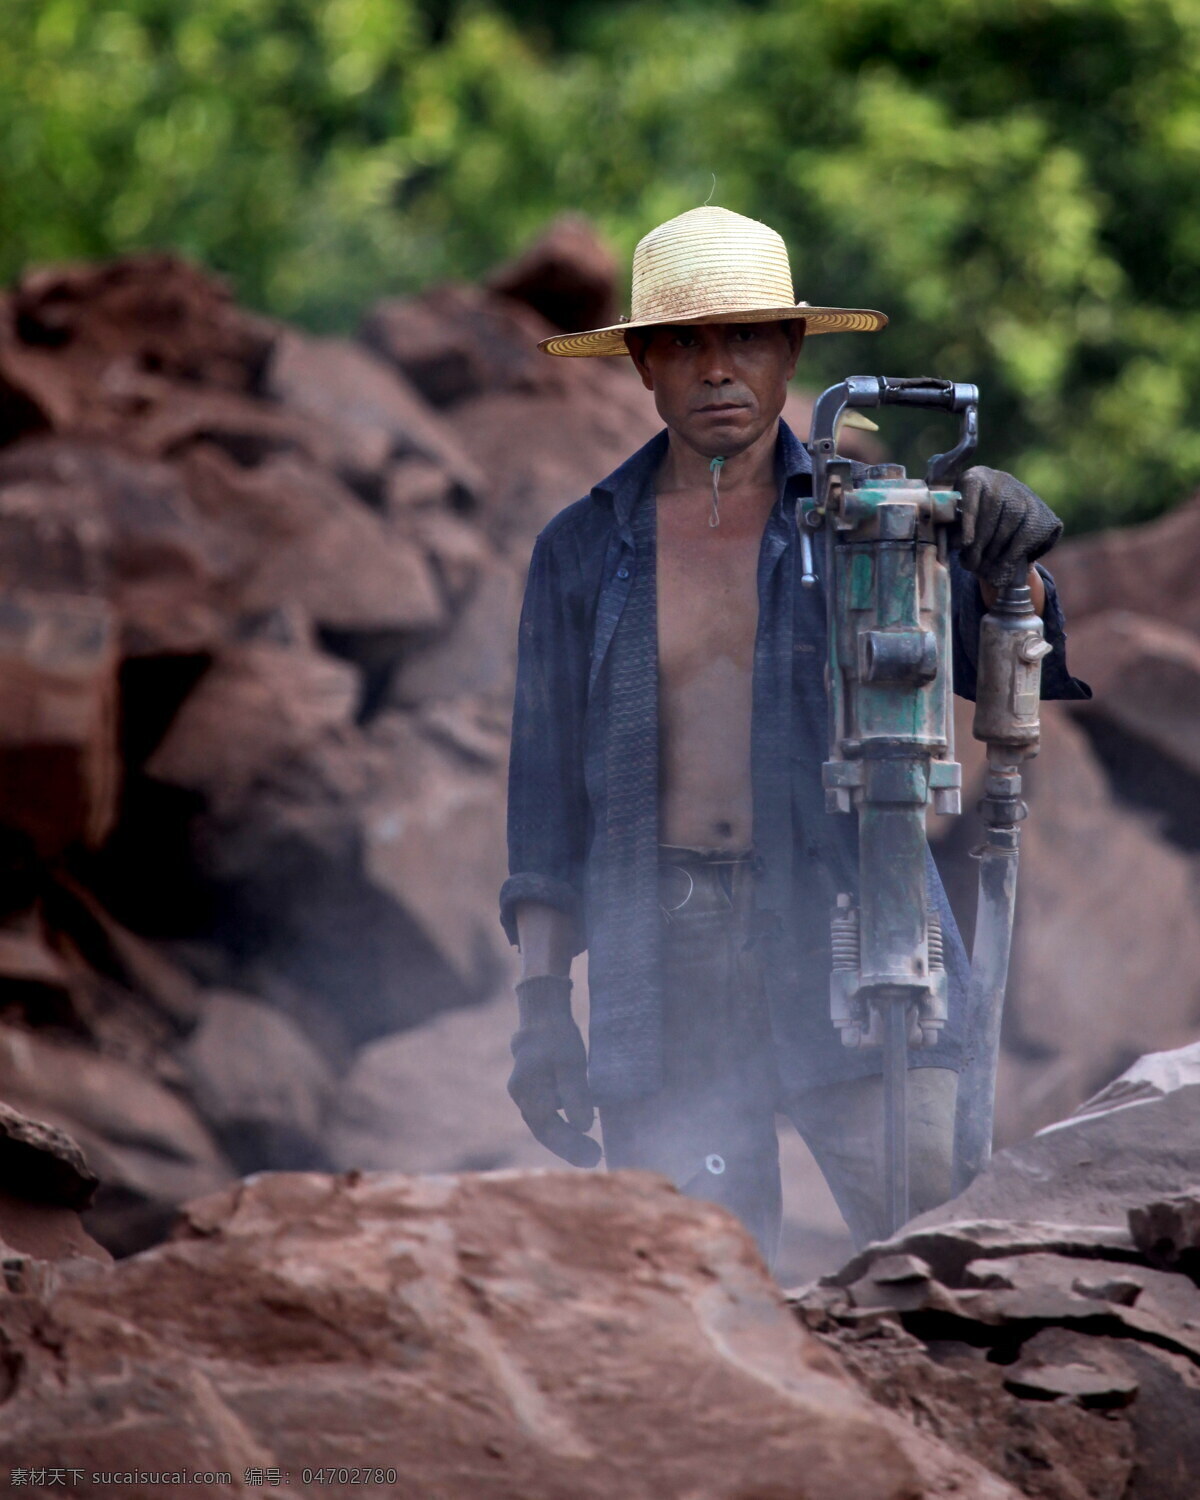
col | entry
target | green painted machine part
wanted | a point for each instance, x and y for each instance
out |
(891, 755)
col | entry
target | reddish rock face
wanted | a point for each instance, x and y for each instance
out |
(516, 1336)
(569, 276)
(1105, 911)
(1150, 568)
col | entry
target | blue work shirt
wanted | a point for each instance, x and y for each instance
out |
(584, 775)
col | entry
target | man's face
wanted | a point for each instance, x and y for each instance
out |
(720, 386)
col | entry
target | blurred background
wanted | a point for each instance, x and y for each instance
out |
(275, 442)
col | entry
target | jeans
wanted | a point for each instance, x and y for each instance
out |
(711, 1127)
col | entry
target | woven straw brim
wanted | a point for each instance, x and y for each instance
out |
(611, 340)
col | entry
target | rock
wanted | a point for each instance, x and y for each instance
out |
(1149, 569)
(433, 1099)
(568, 275)
(337, 873)
(47, 1181)
(1054, 1451)
(1089, 1170)
(957, 1324)
(258, 1082)
(535, 1335)
(36, 980)
(951, 1244)
(454, 342)
(431, 803)
(258, 703)
(1168, 1232)
(43, 1232)
(1105, 910)
(1083, 1383)
(1144, 721)
(414, 483)
(42, 1164)
(296, 536)
(82, 518)
(138, 965)
(476, 655)
(59, 771)
(158, 310)
(458, 553)
(145, 1144)
(1146, 678)
(1151, 1077)
(598, 416)
(373, 410)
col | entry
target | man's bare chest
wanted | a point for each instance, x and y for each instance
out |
(707, 589)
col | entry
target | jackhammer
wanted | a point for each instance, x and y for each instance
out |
(891, 754)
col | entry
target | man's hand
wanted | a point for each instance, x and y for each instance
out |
(1003, 526)
(550, 1071)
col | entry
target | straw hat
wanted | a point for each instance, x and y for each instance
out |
(712, 266)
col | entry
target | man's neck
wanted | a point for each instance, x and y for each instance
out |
(685, 468)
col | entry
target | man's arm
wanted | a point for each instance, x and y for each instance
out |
(546, 940)
(547, 800)
(541, 901)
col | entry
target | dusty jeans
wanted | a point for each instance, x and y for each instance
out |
(711, 1127)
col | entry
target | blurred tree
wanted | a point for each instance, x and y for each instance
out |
(1013, 181)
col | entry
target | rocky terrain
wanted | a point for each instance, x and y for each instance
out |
(542, 1334)
(258, 595)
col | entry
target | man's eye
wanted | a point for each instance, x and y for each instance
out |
(684, 340)
(746, 333)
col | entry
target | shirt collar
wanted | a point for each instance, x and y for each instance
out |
(630, 480)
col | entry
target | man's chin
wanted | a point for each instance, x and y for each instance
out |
(723, 439)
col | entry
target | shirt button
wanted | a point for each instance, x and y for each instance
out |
(622, 572)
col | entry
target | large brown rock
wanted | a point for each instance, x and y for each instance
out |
(1070, 1261)
(147, 1146)
(1106, 911)
(373, 412)
(1149, 569)
(258, 1082)
(47, 1181)
(92, 349)
(59, 767)
(1146, 678)
(540, 430)
(568, 275)
(157, 310)
(295, 535)
(454, 342)
(1088, 1169)
(477, 653)
(80, 517)
(259, 702)
(514, 1335)
(1144, 720)
(366, 867)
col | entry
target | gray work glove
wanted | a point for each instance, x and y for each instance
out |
(1003, 526)
(550, 1072)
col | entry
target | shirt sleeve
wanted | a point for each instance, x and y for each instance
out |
(547, 799)
(969, 609)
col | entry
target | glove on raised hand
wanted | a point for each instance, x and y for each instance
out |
(550, 1072)
(1003, 526)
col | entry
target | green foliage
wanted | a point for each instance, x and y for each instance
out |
(1012, 181)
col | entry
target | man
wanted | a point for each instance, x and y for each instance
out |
(665, 801)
